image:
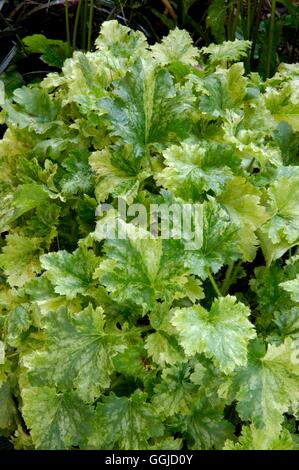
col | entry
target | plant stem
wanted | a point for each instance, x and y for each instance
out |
(169, 9)
(235, 21)
(67, 26)
(248, 33)
(248, 18)
(295, 40)
(91, 8)
(227, 278)
(214, 284)
(12, 354)
(255, 9)
(229, 23)
(75, 30)
(255, 30)
(271, 35)
(84, 21)
(230, 276)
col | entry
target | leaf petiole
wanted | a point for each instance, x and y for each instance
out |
(213, 282)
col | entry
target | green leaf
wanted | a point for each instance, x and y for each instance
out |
(44, 223)
(42, 295)
(175, 47)
(222, 91)
(270, 295)
(70, 273)
(7, 407)
(282, 230)
(288, 142)
(12, 79)
(83, 83)
(26, 197)
(79, 177)
(222, 334)
(53, 51)
(261, 439)
(142, 269)
(33, 108)
(78, 353)
(17, 325)
(267, 387)
(220, 241)
(117, 40)
(129, 422)
(227, 51)
(168, 443)
(242, 200)
(285, 209)
(247, 131)
(132, 361)
(175, 393)
(292, 287)
(283, 104)
(194, 290)
(57, 421)
(146, 108)
(194, 169)
(287, 322)
(163, 349)
(117, 173)
(20, 259)
(207, 428)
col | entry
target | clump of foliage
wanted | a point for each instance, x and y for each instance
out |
(140, 343)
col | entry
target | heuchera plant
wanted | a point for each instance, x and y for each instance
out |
(138, 342)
